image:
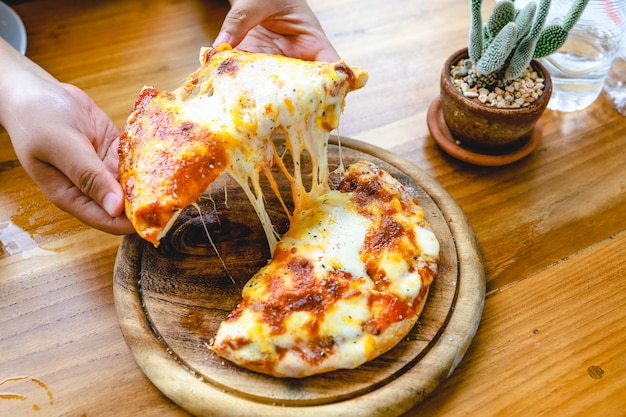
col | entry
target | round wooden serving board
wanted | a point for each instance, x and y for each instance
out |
(170, 301)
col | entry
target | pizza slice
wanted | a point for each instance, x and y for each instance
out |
(222, 119)
(347, 282)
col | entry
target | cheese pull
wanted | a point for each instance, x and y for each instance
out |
(222, 119)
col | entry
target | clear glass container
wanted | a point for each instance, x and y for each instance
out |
(579, 68)
(615, 84)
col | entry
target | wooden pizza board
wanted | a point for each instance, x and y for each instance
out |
(170, 301)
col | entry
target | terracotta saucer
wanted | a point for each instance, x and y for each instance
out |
(448, 143)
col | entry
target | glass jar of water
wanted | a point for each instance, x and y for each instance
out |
(579, 68)
(615, 84)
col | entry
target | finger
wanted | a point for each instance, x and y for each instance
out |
(243, 16)
(327, 53)
(69, 198)
(327, 56)
(112, 158)
(76, 159)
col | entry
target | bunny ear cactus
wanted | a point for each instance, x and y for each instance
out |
(502, 49)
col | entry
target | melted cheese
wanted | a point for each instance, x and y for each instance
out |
(331, 233)
(222, 119)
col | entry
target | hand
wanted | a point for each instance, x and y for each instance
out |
(65, 142)
(285, 27)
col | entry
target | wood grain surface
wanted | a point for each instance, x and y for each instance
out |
(551, 227)
(171, 300)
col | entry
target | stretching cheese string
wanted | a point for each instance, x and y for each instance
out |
(206, 230)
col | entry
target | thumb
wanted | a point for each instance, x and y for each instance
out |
(86, 190)
(113, 200)
(95, 181)
(94, 177)
(243, 16)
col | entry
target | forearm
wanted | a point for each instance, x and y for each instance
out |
(15, 71)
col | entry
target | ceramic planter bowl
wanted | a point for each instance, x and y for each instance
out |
(488, 129)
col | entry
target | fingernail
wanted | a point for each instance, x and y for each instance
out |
(222, 37)
(111, 204)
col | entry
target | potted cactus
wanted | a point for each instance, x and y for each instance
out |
(494, 92)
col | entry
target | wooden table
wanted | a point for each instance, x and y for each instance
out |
(552, 227)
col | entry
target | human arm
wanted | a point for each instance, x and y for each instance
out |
(64, 141)
(286, 27)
